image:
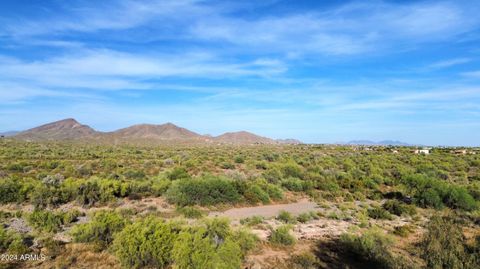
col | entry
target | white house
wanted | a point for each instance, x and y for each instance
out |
(424, 151)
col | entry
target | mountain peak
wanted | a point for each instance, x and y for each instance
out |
(243, 137)
(167, 131)
(59, 130)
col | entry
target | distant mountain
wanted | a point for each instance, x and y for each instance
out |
(288, 141)
(167, 131)
(9, 133)
(379, 143)
(70, 129)
(242, 137)
(67, 129)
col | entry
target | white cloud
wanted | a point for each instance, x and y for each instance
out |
(449, 63)
(106, 15)
(108, 70)
(472, 74)
(351, 29)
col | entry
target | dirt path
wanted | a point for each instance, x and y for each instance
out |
(267, 211)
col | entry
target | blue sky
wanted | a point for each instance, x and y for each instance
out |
(319, 71)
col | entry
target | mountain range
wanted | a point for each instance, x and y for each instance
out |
(72, 130)
(379, 143)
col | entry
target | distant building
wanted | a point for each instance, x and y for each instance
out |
(460, 152)
(424, 151)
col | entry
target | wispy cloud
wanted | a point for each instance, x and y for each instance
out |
(106, 15)
(351, 29)
(472, 74)
(111, 70)
(449, 63)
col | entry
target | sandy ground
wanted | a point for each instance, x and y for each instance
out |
(267, 211)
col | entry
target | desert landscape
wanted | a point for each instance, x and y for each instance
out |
(78, 198)
(208, 134)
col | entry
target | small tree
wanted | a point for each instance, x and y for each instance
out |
(443, 245)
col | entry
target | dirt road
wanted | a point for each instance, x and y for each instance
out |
(266, 211)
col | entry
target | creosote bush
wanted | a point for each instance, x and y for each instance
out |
(282, 236)
(146, 243)
(208, 190)
(373, 246)
(154, 243)
(444, 245)
(50, 221)
(100, 230)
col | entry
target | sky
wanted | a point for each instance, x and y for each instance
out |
(318, 71)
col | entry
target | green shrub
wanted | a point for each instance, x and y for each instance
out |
(376, 212)
(134, 174)
(146, 243)
(160, 186)
(429, 198)
(403, 231)
(88, 194)
(274, 192)
(100, 230)
(71, 216)
(285, 217)
(195, 249)
(45, 220)
(291, 169)
(209, 246)
(304, 217)
(12, 242)
(9, 191)
(239, 159)
(398, 208)
(430, 192)
(255, 194)
(282, 236)
(228, 166)
(458, 197)
(178, 173)
(372, 246)
(252, 221)
(207, 190)
(305, 260)
(293, 184)
(245, 239)
(272, 176)
(443, 245)
(191, 212)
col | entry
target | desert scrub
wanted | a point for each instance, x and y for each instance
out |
(207, 190)
(398, 208)
(376, 212)
(431, 192)
(305, 217)
(372, 246)
(12, 242)
(282, 236)
(444, 245)
(50, 221)
(404, 230)
(146, 243)
(252, 221)
(246, 240)
(191, 212)
(211, 245)
(305, 260)
(286, 217)
(100, 230)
